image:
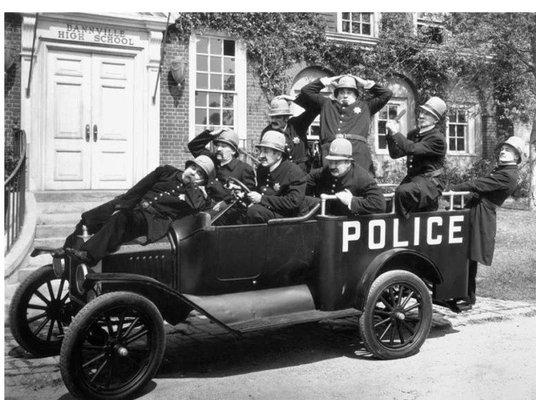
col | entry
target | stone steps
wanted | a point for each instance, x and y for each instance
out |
(58, 218)
(57, 214)
(53, 231)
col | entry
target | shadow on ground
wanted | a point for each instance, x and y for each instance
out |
(274, 349)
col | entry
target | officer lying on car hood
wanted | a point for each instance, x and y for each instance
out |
(147, 209)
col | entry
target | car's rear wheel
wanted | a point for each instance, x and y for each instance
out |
(40, 311)
(113, 348)
(397, 315)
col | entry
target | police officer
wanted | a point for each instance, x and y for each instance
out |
(148, 208)
(355, 189)
(225, 159)
(347, 115)
(281, 183)
(425, 149)
(489, 192)
(294, 128)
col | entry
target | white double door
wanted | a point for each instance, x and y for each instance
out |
(89, 121)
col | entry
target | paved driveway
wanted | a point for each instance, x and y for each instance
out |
(485, 353)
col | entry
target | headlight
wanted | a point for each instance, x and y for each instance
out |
(58, 265)
(80, 278)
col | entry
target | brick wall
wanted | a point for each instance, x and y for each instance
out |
(173, 109)
(12, 33)
(257, 107)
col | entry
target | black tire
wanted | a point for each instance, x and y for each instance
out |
(397, 315)
(113, 348)
(40, 311)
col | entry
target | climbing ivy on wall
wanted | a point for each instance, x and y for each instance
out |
(274, 41)
(277, 41)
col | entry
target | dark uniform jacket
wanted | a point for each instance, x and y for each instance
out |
(296, 134)
(283, 189)
(235, 168)
(367, 196)
(161, 196)
(425, 152)
(351, 121)
(490, 192)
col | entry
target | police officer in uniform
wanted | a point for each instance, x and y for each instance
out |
(347, 115)
(225, 159)
(281, 184)
(489, 192)
(425, 149)
(148, 208)
(356, 190)
(294, 128)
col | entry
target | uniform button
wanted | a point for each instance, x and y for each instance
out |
(155, 198)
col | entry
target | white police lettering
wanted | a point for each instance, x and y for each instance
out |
(382, 233)
(355, 228)
(429, 230)
(376, 223)
(455, 229)
(416, 231)
(396, 230)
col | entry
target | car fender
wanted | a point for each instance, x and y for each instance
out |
(400, 258)
(171, 303)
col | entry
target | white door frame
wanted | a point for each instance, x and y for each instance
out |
(146, 133)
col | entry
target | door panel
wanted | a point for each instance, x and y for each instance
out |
(89, 128)
(67, 154)
(112, 130)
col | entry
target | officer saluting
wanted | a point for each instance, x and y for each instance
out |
(294, 128)
(425, 148)
(148, 208)
(224, 158)
(281, 183)
(356, 190)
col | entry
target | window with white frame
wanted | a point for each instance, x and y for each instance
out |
(356, 23)
(389, 112)
(458, 130)
(430, 26)
(218, 74)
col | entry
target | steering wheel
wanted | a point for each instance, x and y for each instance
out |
(236, 181)
(240, 201)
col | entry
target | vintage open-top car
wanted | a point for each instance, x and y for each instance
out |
(108, 319)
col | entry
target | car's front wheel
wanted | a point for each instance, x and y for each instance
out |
(113, 348)
(397, 315)
(40, 311)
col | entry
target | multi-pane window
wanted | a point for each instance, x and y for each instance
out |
(457, 130)
(430, 26)
(215, 77)
(389, 112)
(357, 23)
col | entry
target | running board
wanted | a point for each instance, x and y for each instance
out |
(280, 321)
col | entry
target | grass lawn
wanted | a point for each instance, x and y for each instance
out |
(512, 276)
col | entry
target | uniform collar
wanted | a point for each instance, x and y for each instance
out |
(230, 165)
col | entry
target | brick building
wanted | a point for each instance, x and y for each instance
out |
(96, 119)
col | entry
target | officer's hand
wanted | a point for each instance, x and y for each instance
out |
(219, 131)
(254, 197)
(285, 96)
(392, 127)
(366, 83)
(329, 80)
(345, 197)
